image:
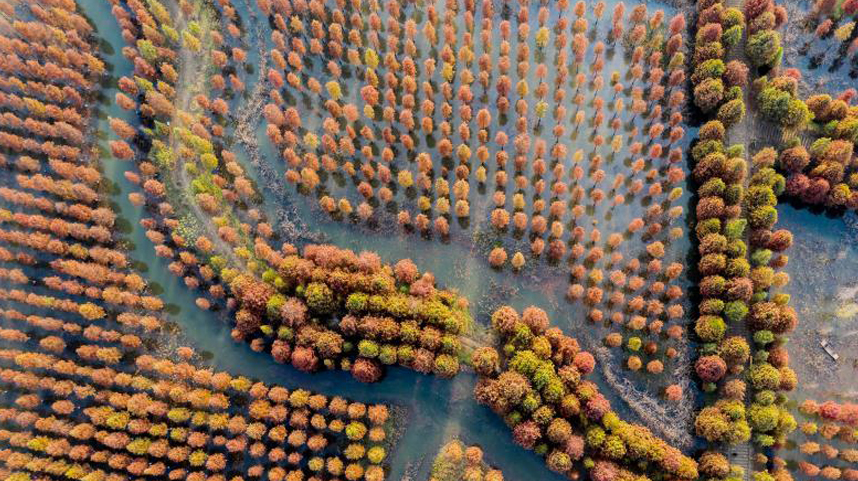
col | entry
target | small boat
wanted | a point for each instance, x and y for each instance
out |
(829, 350)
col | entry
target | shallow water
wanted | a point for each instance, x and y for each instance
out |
(824, 67)
(823, 262)
(824, 292)
(823, 288)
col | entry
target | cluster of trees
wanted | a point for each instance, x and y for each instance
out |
(320, 346)
(52, 70)
(823, 174)
(726, 284)
(281, 311)
(599, 277)
(715, 465)
(835, 9)
(778, 101)
(456, 462)
(838, 118)
(387, 314)
(109, 417)
(102, 269)
(770, 317)
(48, 68)
(839, 420)
(764, 42)
(49, 71)
(718, 84)
(537, 385)
(114, 412)
(830, 452)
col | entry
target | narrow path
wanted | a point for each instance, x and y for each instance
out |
(192, 72)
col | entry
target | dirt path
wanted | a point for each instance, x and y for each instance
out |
(192, 76)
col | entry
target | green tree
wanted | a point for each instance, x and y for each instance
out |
(320, 298)
(147, 50)
(732, 36)
(764, 48)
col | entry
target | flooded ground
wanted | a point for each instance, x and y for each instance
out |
(824, 291)
(824, 63)
(436, 409)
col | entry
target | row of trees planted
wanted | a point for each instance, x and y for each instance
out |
(717, 85)
(843, 413)
(535, 381)
(726, 284)
(770, 318)
(726, 276)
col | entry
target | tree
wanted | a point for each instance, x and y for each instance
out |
(734, 350)
(497, 257)
(764, 48)
(714, 464)
(366, 370)
(732, 112)
(710, 368)
(781, 106)
(320, 298)
(764, 376)
(121, 150)
(710, 328)
(708, 94)
(542, 37)
(122, 128)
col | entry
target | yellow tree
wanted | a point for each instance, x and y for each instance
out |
(334, 90)
(542, 36)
